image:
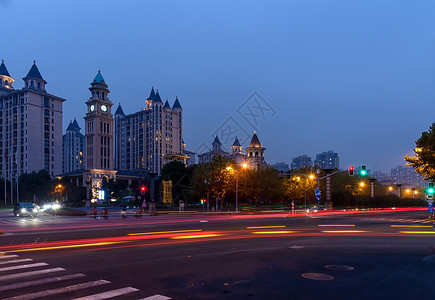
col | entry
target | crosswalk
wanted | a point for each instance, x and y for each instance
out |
(397, 220)
(24, 278)
(376, 219)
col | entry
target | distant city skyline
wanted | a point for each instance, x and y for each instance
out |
(309, 76)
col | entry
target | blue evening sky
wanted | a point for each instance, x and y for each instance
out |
(355, 77)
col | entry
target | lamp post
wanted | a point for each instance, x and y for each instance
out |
(244, 166)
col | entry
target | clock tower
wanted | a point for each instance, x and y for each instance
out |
(98, 136)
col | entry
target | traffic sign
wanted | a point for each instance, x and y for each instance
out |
(430, 204)
(317, 192)
(429, 196)
(318, 198)
(430, 209)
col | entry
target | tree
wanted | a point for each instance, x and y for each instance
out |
(423, 160)
(261, 185)
(214, 177)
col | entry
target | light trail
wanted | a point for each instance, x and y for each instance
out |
(418, 232)
(274, 232)
(416, 226)
(196, 236)
(260, 227)
(344, 231)
(336, 225)
(66, 247)
(163, 232)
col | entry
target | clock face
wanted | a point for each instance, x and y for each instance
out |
(103, 107)
(92, 107)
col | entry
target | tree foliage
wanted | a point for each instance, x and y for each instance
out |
(215, 177)
(423, 160)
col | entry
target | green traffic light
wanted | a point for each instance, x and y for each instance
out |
(430, 190)
(363, 172)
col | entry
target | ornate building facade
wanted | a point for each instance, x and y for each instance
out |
(30, 126)
(98, 137)
(254, 157)
(144, 138)
(73, 148)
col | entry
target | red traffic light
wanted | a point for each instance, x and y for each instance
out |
(351, 169)
(143, 189)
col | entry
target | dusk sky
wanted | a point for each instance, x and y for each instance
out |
(355, 77)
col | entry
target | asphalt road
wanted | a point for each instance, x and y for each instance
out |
(369, 255)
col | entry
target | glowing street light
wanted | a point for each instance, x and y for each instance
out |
(229, 168)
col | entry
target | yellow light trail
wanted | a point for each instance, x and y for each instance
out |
(273, 232)
(66, 247)
(337, 225)
(418, 232)
(195, 236)
(344, 231)
(260, 227)
(160, 232)
(412, 226)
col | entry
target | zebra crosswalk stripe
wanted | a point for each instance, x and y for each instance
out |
(156, 297)
(14, 261)
(33, 273)
(109, 294)
(7, 256)
(22, 267)
(58, 291)
(39, 281)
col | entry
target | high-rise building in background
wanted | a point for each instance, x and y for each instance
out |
(300, 162)
(144, 138)
(30, 126)
(281, 166)
(403, 175)
(327, 160)
(73, 148)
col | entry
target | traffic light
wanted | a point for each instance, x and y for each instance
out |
(203, 201)
(143, 189)
(430, 189)
(350, 170)
(363, 171)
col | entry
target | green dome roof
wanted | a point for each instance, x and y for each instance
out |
(99, 78)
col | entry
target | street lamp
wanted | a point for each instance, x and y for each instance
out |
(229, 168)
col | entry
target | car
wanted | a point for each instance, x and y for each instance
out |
(23, 209)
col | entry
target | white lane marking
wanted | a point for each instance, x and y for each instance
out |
(62, 290)
(23, 267)
(203, 221)
(109, 294)
(12, 261)
(7, 256)
(156, 297)
(40, 281)
(26, 274)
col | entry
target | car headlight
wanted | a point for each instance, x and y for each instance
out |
(47, 206)
(23, 210)
(55, 206)
(35, 209)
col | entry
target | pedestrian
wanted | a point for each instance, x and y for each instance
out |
(106, 213)
(94, 212)
(181, 208)
(144, 204)
(138, 213)
(152, 207)
(124, 212)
